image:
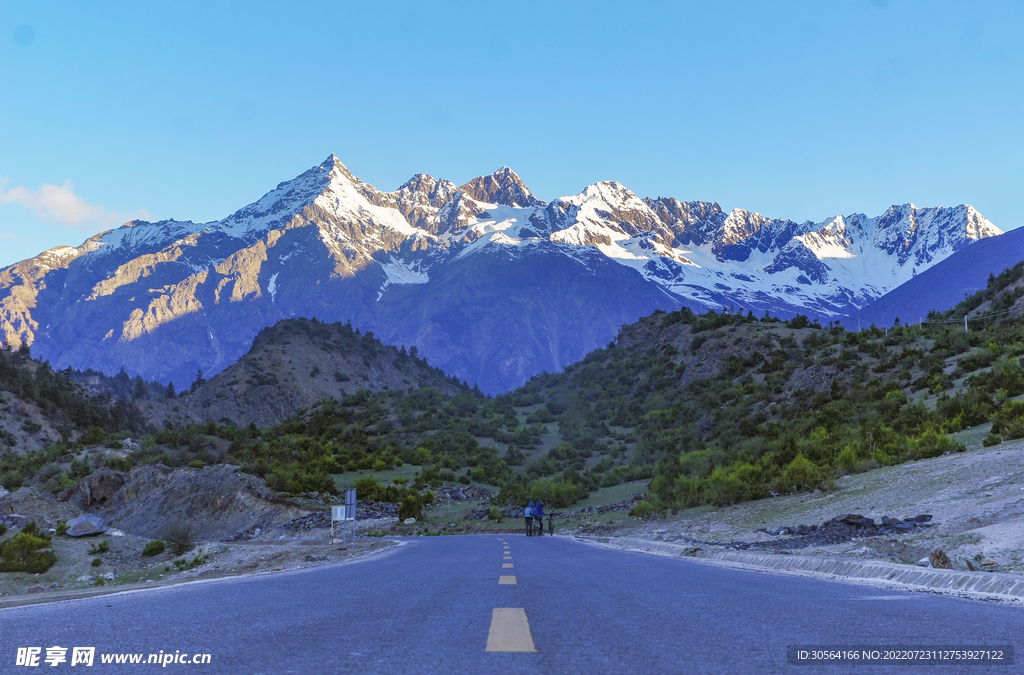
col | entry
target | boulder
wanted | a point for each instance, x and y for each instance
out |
(939, 560)
(3, 492)
(986, 564)
(36, 588)
(924, 562)
(85, 525)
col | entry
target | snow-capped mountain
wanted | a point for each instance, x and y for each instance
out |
(489, 282)
(943, 285)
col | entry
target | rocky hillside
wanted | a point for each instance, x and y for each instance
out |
(39, 406)
(712, 408)
(726, 408)
(489, 282)
(293, 365)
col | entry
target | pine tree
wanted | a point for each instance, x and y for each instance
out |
(170, 391)
(139, 393)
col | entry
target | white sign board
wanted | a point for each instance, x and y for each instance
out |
(337, 513)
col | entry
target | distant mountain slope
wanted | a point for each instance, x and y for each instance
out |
(294, 364)
(492, 284)
(943, 286)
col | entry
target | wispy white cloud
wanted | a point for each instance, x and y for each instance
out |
(60, 204)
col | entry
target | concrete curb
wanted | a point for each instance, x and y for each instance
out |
(988, 583)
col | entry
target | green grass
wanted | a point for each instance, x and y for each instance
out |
(610, 495)
(348, 479)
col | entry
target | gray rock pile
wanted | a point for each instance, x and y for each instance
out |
(838, 530)
(25, 504)
(448, 494)
(365, 510)
(841, 529)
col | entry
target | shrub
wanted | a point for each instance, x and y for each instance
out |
(646, 510)
(3, 529)
(62, 527)
(32, 528)
(495, 514)
(801, 474)
(847, 459)
(368, 487)
(181, 537)
(96, 562)
(24, 553)
(992, 439)
(155, 547)
(932, 444)
(410, 507)
(465, 480)
(101, 547)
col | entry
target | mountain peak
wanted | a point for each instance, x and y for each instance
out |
(502, 187)
(335, 169)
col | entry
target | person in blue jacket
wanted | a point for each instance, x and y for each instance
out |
(538, 515)
(528, 514)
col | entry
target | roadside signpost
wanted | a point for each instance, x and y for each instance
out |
(346, 514)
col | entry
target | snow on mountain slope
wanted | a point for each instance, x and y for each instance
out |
(328, 244)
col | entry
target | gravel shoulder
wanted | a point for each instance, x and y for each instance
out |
(211, 560)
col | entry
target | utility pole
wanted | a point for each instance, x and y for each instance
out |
(966, 330)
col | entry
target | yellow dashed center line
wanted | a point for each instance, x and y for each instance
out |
(506, 580)
(506, 566)
(510, 631)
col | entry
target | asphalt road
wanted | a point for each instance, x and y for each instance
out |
(428, 607)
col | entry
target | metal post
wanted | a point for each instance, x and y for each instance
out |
(337, 513)
(966, 330)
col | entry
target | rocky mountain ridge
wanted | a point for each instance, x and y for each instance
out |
(491, 283)
(295, 364)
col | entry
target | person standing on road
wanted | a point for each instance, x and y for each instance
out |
(538, 515)
(528, 514)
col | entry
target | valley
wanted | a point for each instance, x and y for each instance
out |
(704, 428)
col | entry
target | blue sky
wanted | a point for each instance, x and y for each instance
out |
(191, 110)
